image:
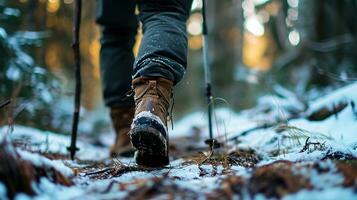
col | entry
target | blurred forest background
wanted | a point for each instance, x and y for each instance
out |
(307, 46)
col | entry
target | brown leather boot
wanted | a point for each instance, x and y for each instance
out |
(122, 118)
(149, 128)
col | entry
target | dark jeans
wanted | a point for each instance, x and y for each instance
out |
(163, 50)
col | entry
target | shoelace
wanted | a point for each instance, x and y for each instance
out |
(171, 108)
(128, 94)
(131, 92)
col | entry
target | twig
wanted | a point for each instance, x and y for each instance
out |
(126, 169)
(306, 146)
(99, 171)
(5, 103)
(117, 171)
(325, 111)
(317, 145)
(208, 157)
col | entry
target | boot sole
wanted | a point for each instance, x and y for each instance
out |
(148, 140)
(150, 143)
(150, 160)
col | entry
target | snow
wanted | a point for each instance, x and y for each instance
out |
(3, 191)
(39, 161)
(345, 94)
(200, 185)
(326, 180)
(128, 177)
(186, 176)
(225, 122)
(335, 133)
(186, 172)
(46, 141)
(149, 115)
(286, 100)
(49, 191)
(327, 194)
(282, 142)
(341, 129)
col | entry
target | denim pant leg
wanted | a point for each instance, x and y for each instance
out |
(119, 27)
(163, 51)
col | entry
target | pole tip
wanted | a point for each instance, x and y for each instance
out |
(72, 151)
(213, 143)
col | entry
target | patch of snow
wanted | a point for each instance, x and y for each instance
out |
(286, 102)
(344, 94)
(188, 177)
(200, 185)
(48, 190)
(46, 141)
(186, 172)
(330, 179)
(91, 190)
(23, 196)
(129, 177)
(241, 171)
(225, 122)
(3, 33)
(304, 156)
(327, 194)
(260, 140)
(3, 191)
(150, 116)
(340, 129)
(334, 133)
(39, 161)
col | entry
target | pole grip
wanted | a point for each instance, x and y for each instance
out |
(204, 19)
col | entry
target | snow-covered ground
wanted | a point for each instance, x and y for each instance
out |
(286, 141)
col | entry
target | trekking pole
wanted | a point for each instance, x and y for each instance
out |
(77, 96)
(207, 70)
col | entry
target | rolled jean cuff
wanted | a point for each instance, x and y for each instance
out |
(160, 67)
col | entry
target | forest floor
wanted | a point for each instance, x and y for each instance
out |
(280, 149)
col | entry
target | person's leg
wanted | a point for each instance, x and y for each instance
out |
(119, 27)
(163, 50)
(160, 64)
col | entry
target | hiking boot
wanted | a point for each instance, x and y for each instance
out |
(149, 128)
(122, 118)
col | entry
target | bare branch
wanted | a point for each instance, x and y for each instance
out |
(5, 103)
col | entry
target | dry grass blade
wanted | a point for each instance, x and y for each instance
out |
(297, 133)
(207, 157)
